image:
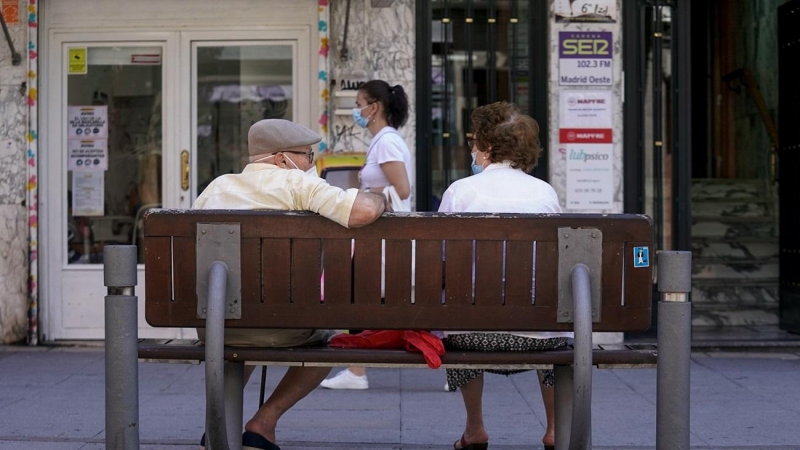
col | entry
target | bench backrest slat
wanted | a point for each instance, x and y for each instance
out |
(429, 273)
(398, 280)
(338, 289)
(367, 269)
(519, 273)
(458, 273)
(276, 257)
(489, 271)
(471, 272)
(547, 275)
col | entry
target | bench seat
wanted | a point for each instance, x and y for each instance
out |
(604, 356)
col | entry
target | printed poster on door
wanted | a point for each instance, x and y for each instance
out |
(87, 122)
(590, 176)
(87, 154)
(88, 193)
(585, 58)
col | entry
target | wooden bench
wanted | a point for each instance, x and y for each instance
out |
(555, 272)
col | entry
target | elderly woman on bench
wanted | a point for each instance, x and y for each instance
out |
(505, 147)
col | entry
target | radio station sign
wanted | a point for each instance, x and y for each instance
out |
(585, 58)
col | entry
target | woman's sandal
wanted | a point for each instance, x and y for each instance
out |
(465, 446)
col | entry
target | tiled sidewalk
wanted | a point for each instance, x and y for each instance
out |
(52, 398)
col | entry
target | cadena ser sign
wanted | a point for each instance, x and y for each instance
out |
(585, 58)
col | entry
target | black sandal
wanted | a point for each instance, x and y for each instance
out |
(473, 446)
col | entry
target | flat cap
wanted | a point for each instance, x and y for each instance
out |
(273, 135)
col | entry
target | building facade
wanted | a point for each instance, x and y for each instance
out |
(138, 105)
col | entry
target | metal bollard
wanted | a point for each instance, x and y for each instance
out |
(581, 429)
(216, 423)
(674, 350)
(121, 329)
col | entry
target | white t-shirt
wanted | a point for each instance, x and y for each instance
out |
(501, 189)
(386, 146)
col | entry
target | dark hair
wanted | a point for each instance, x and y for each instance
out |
(512, 135)
(393, 99)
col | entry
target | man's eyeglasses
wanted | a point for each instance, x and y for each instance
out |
(310, 154)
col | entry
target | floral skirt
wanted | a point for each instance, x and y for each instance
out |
(496, 342)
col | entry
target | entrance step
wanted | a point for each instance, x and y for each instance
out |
(729, 208)
(735, 249)
(748, 293)
(711, 188)
(732, 315)
(731, 269)
(733, 228)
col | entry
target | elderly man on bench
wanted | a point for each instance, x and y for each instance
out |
(281, 176)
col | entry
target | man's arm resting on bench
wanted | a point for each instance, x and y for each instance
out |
(366, 209)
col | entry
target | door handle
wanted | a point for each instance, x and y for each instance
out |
(185, 170)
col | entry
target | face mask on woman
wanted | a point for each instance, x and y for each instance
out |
(361, 121)
(476, 168)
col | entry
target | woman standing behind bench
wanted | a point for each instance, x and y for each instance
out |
(505, 146)
(381, 109)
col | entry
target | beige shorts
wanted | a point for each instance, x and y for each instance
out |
(269, 337)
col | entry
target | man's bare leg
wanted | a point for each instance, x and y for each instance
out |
(295, 385)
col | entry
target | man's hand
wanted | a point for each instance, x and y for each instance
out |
(387, 205)
(367, 208)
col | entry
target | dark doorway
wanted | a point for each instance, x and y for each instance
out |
(789, 162)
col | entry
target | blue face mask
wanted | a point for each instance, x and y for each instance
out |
(360, 121)
(476, 168)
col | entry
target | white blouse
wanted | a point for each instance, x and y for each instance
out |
(501, 189)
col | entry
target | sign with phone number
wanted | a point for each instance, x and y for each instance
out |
(597, 11)
(585, 58)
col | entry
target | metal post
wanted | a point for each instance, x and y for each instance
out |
(234, 399)
(216, 426)
(122, 371)
(564, 388)
(674, 350)
(581, 432)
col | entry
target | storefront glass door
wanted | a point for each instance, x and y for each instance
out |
(108, 109)
(136, 121)
(234, 86)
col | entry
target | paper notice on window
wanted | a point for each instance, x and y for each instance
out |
(88, 193)
(87, 122)
(87, 154)
(590, 176)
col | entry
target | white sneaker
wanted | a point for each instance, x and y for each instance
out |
(346, 380)
(446, 387)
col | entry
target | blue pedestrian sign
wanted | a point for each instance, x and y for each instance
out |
(641, 257)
